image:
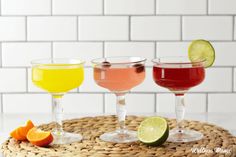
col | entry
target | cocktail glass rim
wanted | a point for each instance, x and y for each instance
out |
(43, 61)
(186, 61)
(100, 61)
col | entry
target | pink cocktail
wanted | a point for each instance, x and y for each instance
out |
(119, 75)
(119, 79)
(178, 75)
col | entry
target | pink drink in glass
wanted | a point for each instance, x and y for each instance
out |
(120, 78)
(119, 75)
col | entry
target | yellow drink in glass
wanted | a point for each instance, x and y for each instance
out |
(58, 76)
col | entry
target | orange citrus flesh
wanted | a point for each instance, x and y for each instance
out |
(21, 132)
(15, 134)
(39, 138)
(24, 130)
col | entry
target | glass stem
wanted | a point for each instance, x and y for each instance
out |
(121, 112)
(179, 111)
(57, 111)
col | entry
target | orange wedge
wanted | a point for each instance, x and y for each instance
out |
(39, 138)
(15, 134)
(21, 132)
(25, 129)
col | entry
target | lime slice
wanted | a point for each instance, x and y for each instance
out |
(153, 131)
(201, 50)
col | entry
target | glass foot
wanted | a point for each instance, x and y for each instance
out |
(118, 137)
(184, 136)
(65, 138)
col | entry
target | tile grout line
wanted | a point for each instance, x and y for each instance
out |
(52, 57)
(1, 103)
(103, 55)
(181, 28)
(26, 28)
(155, 103)
(103, 103)
(103, 49)
(110, 15)
(207, 5)
(52, 53)
(99, 41)
(233, 28)
(155, 7)
(1, 107)
(0, 7)
(233, 77)
(77, 28)
(207, 102)
(51, 7)
(27, 80)
(1, 55)
(129, 28)
(155, 95)
(103, 7)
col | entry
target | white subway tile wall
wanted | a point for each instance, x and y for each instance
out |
(26, 7)
(83, 50)
(208, 27)
(89, 29)
(195, 103)
(103, 28)
(12, 29)
(155, 28)
(77, 7)
(58, 28)
(222, 102)
(183, 7)
(129, 7)
(145, 49)
(26, 103)
(23, 53)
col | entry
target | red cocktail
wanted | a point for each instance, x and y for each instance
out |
(178, 78)
(178, 74)
(119, 75)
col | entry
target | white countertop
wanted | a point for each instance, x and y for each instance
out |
(9, 121)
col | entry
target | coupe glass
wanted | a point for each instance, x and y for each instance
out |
(57, 77)
(178, 74)
(119, 75)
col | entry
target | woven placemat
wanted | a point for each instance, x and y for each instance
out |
(216, 141)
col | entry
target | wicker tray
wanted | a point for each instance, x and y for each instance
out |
(92, 127)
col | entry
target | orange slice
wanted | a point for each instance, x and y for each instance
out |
(39, 138)
(25, 129)
(21, 132)
(15, 134)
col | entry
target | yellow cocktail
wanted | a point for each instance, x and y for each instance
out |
(58, 76)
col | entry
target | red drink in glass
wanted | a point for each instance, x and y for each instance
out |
(178, 74)
(178, 79)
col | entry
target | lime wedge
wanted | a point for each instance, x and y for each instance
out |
(153, 131)
(200, 50)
